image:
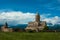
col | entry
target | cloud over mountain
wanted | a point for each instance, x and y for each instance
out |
(53, 20)
(18, 17)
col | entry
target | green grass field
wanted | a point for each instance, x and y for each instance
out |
(29, 36)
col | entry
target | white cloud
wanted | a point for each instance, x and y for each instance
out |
(17, 17)
(53, 20)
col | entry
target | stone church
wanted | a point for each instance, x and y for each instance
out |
(37, 25)
(5, 28)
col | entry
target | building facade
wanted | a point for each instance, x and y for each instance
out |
(5, 28)
(37, 25)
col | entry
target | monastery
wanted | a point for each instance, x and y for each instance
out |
(37, 25)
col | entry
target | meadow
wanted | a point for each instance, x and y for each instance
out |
(29, 36)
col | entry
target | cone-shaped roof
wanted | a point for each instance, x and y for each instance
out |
(6, 25)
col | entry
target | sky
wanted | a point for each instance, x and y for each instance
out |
(24, 11)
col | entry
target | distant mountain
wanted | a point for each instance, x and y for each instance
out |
(54, 27)
(57, 27)
(49, 24)
(1, 25)
(22, 26)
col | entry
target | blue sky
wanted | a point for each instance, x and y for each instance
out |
(44, 7)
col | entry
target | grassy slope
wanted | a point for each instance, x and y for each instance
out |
(30, 36)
